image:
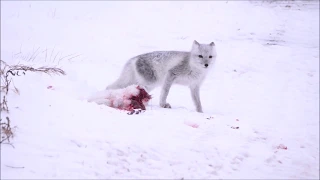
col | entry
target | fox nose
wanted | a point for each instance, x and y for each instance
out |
(206, 65)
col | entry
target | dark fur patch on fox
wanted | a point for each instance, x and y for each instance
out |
(146, 70)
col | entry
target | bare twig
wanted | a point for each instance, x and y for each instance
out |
(45, 60)
(47, 70)
(55, 57)
(15, 167)
(15, 89)
(61, 58)
(9, 144)
(34, 55)
(52, 53)
(74, 57)
(4, 105)
(6, 131)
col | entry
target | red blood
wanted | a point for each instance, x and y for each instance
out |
(281, 146)
(138, 100)
(194, 125)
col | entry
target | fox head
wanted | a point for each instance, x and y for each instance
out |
(203, 55)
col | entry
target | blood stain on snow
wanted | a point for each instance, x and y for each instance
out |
(281, 146)
(194, 125)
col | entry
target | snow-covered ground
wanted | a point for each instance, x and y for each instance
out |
(266, 82)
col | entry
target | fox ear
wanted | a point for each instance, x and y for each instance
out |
(212, 44)
(196, 42)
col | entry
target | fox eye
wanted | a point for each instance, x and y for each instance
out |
(210, 56)
(200, 56)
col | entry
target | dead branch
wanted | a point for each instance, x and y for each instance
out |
(18, 70)
(34, 55)
(52, 53)
(8, 144)
(14, 70)
(4, 105)
(15, 167)
(55, 57)
(6, 131)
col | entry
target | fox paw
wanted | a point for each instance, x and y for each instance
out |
(166, 105)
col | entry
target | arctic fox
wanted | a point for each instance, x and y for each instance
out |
(164, 68)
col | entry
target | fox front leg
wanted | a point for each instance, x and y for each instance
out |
(195, 94)
(166, 88)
